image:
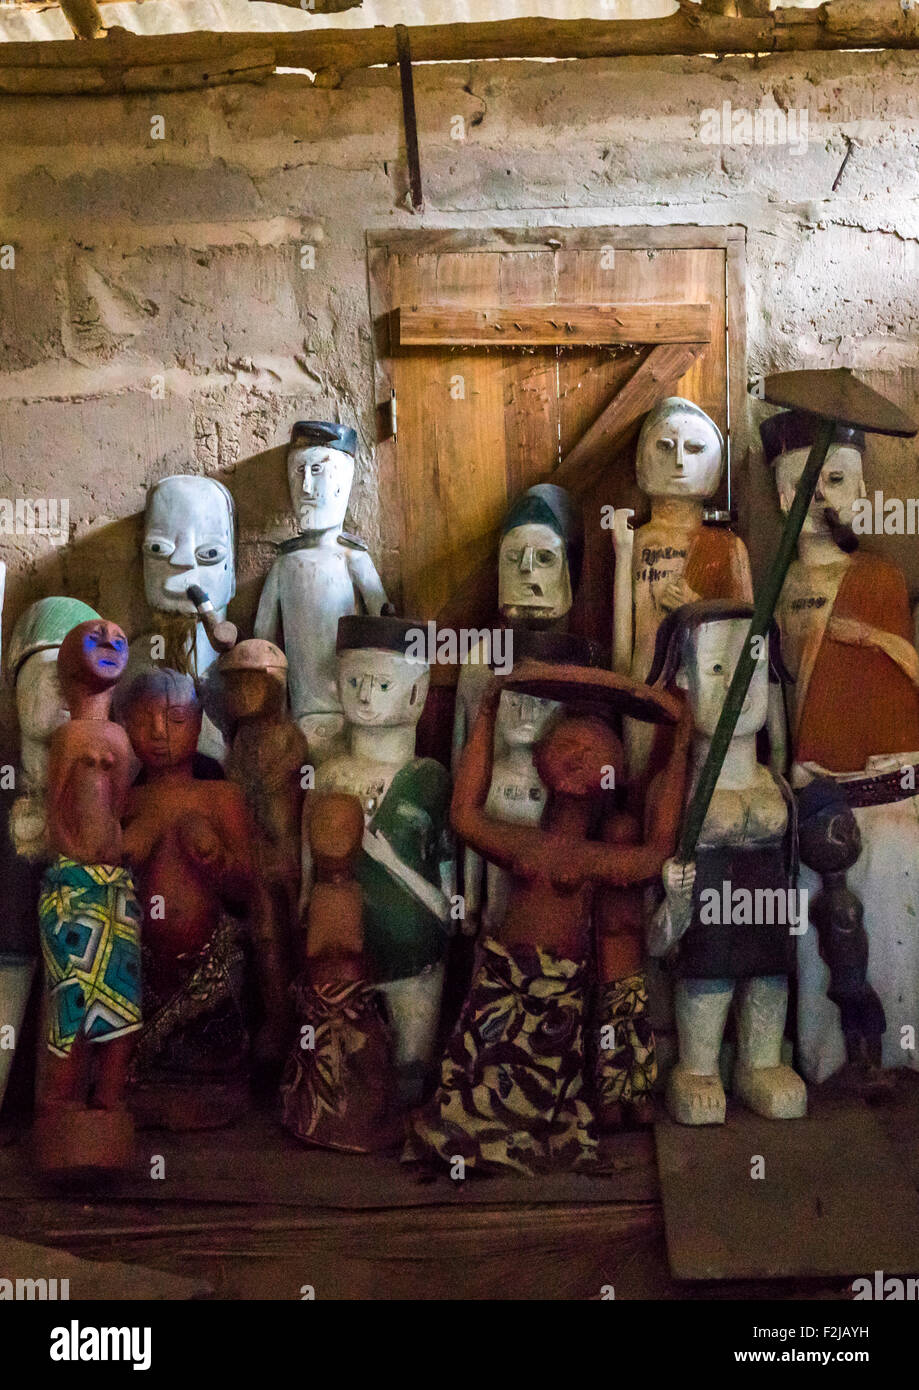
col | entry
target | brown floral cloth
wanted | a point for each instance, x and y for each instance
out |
(339, 1089)
(510, 1093)
(197, 1033)
(626, 1058)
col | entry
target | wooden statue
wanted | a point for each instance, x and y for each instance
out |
(321, 575)
(268, 760)
(516, 795)
(191, 843)
(727, 915)
(675, 557)
(189, 548)
(405, 862)
(339, 1089)
(539, 560)
(830, 844)
(512, 1092)
(89, 917)
(847, 636)
(40, 705)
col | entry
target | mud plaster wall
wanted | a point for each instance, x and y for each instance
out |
(177, 261)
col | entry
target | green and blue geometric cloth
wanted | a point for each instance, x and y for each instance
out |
(90, 921)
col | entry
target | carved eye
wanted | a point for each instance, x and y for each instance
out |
(694, 446)
(837, 478)
(209, 554)
(513, 556)
(717, 668)
(384, 685)
(666, 445)
(119, 644)
(315, 467)
(159, 546)
(545, 557)
(352, 681)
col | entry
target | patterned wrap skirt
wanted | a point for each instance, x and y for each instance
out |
(339, 1085)
(198, 1033)
(626, 1060)
(90, 920)
(511, 1085)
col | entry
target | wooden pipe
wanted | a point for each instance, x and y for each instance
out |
(222, 635)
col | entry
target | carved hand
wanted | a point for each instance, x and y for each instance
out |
(676, 594)
(623, 535)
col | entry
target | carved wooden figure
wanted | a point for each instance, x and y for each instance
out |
(847, 637)
(189, 549)
(269, 760)
(339, 1089)
(727, 914)
(40, 705)
(89, 917)
(191, 842)
(511, 1091)
(405, 863)
(830, 844)
(323, 574)
(674, 558)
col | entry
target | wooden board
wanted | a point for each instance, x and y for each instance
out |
(92, 1279)
(430, 325)
(477, 426)
(835, 1200)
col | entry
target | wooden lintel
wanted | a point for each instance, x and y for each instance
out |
(429, 325)
(837, 24)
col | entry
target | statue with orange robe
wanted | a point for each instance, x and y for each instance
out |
(847, 639)
(676, 557)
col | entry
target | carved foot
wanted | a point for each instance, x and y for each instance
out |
(778, 1093)
(694, 1099)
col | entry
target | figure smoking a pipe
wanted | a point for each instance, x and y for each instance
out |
(189, 552)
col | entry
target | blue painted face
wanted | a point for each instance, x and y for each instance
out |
(105, 649)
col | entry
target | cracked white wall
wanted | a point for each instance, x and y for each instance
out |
(158, 318)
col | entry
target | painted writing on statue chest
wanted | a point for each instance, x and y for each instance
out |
(315, 588)
(804, 610)
(515, 799)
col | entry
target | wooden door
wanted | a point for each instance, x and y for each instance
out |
(478, 425)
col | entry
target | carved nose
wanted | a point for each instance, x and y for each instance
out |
(366, 690)
(526, 560)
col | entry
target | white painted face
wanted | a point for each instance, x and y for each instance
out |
(533, 576)
(708, 667)
(381, 689)
(320, 481)
(840, 483)
(39, 700)
(188, 539)
(523, 719)
(679, 455)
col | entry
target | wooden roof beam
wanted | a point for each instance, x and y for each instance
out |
(84, 18)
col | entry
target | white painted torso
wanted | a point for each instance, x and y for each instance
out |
(315, 589)
(745, 815)
(368, 780)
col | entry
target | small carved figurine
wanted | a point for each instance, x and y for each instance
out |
(268, 760)
(339, 1090)
(89, 917)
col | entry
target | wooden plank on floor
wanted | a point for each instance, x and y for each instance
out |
(39, 1265)
(834, 1199)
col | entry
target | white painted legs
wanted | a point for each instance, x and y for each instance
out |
(695, 1095)
(413, 1008)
